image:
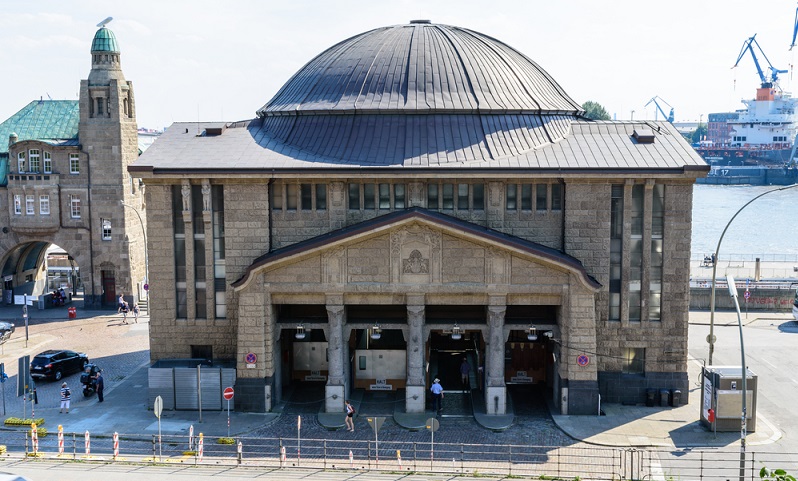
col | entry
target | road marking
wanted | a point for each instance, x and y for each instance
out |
(770, 364)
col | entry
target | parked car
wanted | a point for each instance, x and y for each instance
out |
(6, 328)
(54, 364)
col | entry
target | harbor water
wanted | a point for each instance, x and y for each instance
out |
(768, 228)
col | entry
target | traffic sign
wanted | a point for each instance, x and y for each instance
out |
(376, 423)
(146, 287)
(583, 360)
(712, 339)
(228, 393)
(157, 408)
(251, 358)
(747, 294)
(433, 424)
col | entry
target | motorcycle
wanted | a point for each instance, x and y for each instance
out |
(88, 379)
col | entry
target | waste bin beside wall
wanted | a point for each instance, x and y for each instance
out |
(651, 395)
(73, 312)
(664, 397)
(676, 397)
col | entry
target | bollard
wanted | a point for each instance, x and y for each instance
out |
(88, 443)
(199, 448)
(191, 438)
(282, 455)
(116, 445)
(153, 448)
(240, 452)
(34, 439)
(351, 459)
(60, 440)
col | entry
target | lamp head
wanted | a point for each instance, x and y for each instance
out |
(732, 286)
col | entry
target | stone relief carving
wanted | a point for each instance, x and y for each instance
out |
(495, 191)
(337, 193)
(415, 264)
(186, 191)
(333, 264)
(206, 196)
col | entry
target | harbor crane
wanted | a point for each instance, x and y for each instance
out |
(748, 45)
(794, 30)
(669, 116)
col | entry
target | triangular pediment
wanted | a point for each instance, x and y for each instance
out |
(418, 247)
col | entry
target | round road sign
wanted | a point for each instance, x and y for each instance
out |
(157, 407)
(433, 424)
(582, 360)
(228, 393)
(251, 358)
(712, 339)
(747, 294)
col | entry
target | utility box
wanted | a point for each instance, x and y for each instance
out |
(721, 398)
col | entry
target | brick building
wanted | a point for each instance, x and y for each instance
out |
(63, 174)
(414, 196)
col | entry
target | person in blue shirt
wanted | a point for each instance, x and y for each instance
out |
(437, 395)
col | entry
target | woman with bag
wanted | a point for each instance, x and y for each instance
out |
(350, 412)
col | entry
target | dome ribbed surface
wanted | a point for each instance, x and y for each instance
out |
(104, 41)
(408, 94)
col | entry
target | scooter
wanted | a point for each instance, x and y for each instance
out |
(89, 379)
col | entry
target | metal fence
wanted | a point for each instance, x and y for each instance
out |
(581, 461)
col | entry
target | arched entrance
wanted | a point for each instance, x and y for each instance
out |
(42, 273)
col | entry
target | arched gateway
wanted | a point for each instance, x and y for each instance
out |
(417, 198)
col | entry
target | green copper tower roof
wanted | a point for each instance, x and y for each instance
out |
(104, 41)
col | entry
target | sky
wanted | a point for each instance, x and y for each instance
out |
(200, 60)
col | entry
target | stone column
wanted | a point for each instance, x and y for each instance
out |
(415, 389)
(496, 391)
(210, 291)
(191, 296)
(335, 390)
(645, 287)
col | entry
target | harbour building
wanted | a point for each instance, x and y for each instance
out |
(415, 196)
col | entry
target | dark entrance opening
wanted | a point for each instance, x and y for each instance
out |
(109, 288)
(303, 366)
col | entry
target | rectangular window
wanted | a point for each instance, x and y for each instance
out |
(462, 196)
(634, 360)
(432, 196)
(616, 251)
(511, 197)
(384, 201)
(219, 265)
(74, 206)
(44, 205)
(99, 105)
(21, 162)
(277, 197)
(48, 163)
(656, 264)
(448, 196)
(526, 197)
(30, 205)
(556, 197)
(354, 196)
(74, 163)
(181, 298)
(540, 198)
(321, 197)
(34, 158)
(478, 195)
(306, 193)
(369, 191)
(399, 201)
(291, 192)
(638, 193)
(106, 226)
(18, 204)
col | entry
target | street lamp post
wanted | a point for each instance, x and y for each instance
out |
(733, 292)
(146, 256)
(716, 259)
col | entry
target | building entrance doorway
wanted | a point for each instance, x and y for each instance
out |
(455, 357)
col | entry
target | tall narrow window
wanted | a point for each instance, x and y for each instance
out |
(511, 197)
(616, 251)
(48, 163)
(17, 204)
(100, 106)
(200, 264)
(277, 197)
(321, 196)
(21, 162)
(30, 208)
(384, 196)
(291, 194)
(44, 205)
(368, 196)
(306, 196)
(655, 269)
(526, 197)
(354, 196)
(106, 226)
(432, 197)
(556, 197)
(448, 196)
(540, 198)
(74, 206)
(636, 253)
(399, 201)
(181, 301)
(462, 196)
(478, 196)
(34, 160)
(74, 163)
(219, 269)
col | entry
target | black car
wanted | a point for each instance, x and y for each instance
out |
(54, 364)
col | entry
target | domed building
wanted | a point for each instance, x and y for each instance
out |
(423, 201)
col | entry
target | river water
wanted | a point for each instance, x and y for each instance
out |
(768, 227)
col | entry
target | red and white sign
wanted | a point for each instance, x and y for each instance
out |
(228, 393)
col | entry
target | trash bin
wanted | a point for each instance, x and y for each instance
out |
(676, 397)
(651, 395)
(73, 312)
(664, 396)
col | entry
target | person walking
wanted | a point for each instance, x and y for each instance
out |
(135, 313)
(350, 413)
(124, 310)
(99, 384)
(465, 371)
(437, 396)
(121, 303)
(65, 397)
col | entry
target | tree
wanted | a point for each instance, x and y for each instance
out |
(595, 111)
(699, 133)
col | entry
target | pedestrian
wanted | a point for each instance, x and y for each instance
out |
(350, 413)
(465, 371)
(99, 384)
(65, 397)
(437, 396)
(136, 312)
(124, 310)
(121, 303)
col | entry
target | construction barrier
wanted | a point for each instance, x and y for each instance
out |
(60, 440)
(34, 437)
(116, 445)
(88, 443)
(199, 449)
